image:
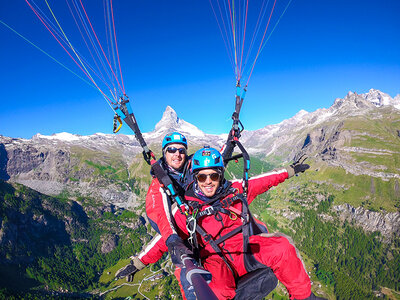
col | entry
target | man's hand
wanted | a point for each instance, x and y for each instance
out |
(128, 271)
(298, 166)
(178, 250)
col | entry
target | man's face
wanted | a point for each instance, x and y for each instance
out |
(175, 157)
(208, 181)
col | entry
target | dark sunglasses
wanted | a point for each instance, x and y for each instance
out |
(213, 177)
(172, 150)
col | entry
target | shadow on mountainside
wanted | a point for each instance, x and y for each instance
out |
(3, 163)
(31, 228)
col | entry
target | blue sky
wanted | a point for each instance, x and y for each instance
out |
(172, 53)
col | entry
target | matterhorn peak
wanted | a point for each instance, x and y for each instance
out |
(169, 119)
(171, 122)
(169, 109)
(350, 93)
(170, 115)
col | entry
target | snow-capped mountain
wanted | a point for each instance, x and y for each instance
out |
(352, 104)
(271, 138)
(380, 99)
(171, 122)
(64, 161)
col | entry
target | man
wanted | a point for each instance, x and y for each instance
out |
(175, 163)
(159, 204)
(223, 230)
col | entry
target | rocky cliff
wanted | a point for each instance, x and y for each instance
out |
(385, 223)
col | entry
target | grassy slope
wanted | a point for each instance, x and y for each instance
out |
(376, 134)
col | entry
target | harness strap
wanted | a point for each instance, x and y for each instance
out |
(208, 238)
(168, 186)
(223, 206)
(123, 105)
(228, 235)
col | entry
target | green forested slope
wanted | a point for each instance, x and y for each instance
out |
(53, 244)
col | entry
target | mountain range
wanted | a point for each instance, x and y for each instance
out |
(353, 148)
(355, 127)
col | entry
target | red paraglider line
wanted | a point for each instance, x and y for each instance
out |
(116, 46)
(234, 40)
(100, 44)
(101, 76)
(227, 45)
(54, 30)
(256, 29)
(108, 30)
(259, 48)
(244, 36)
(92, 42)
(40, 18)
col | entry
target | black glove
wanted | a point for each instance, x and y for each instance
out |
(299, 166)
(178, 250)
(128, 271)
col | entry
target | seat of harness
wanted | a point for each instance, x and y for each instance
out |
(256, 284)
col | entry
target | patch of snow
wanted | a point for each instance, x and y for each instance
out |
(63, 136)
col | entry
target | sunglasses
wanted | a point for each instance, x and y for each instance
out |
(172, 150)
(203, 177)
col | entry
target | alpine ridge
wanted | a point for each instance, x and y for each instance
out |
(359, 134)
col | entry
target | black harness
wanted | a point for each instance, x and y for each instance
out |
(216, 207)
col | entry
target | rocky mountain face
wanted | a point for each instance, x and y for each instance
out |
(359, 134)
(371, 221)
(66, 163)
(325, 133)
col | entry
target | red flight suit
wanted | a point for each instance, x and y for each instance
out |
(272, 250)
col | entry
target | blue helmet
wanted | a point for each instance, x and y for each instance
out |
(207, 158)
(174, 138)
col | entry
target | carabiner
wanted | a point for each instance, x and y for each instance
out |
(234, 218)
(117, 118)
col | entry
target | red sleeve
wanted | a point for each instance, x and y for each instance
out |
(153, 251)
(262, 183)
(158, 209)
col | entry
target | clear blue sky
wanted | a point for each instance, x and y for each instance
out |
(173, 54)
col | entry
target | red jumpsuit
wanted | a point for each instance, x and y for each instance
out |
(158, 210)
(153, 251)
(274, 251)
(158, 203)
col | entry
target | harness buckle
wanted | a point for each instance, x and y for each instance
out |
(208, 211)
